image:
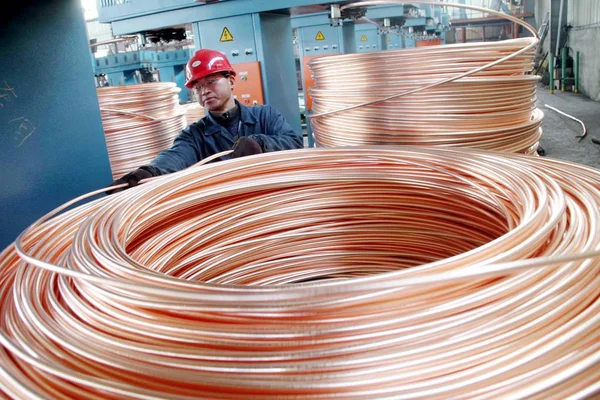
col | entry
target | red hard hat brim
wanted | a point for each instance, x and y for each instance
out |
(190, 84)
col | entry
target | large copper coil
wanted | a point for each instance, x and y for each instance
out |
(139, 122)
(349, 273)
(466, 95)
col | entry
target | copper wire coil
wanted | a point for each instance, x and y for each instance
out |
(139, 122)
(492, 133)
(193, 112)
(418, 96)
(359, 272)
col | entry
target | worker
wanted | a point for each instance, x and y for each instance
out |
(228, 125)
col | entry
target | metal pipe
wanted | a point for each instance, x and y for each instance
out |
(576, 72)
(551, 71)
(579, 137)
(560, 15)
(563, 68)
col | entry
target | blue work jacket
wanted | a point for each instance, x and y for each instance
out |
(207, 137)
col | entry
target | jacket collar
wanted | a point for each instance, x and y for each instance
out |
(246, 116)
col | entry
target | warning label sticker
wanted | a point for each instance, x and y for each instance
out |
(320, 36)
(226, 35)
(364, 38)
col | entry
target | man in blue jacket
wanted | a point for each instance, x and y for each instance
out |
(228, 124)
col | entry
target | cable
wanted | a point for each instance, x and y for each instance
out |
(580, 137)
(359, 272)
(475, 95)
(139, 122)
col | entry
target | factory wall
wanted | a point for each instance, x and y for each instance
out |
(585, 40)
(584, 36)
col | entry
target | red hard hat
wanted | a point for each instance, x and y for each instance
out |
(203, 63)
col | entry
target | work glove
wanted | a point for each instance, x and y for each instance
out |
(246, 146)
(131, 179)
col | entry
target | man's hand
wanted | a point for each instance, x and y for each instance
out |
(246, 146)
(131, 179)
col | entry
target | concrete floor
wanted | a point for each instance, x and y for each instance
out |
(559, 132)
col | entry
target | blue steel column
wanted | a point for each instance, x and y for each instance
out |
(275, 48)
(52, 145)
(179, 71)
(349, 38)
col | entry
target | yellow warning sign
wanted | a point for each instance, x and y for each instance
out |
(320, 36)
(364, 38)
(389, 39)
(226, 36)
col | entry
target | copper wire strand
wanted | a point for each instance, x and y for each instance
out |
(467, 95)
(193, 112)
(139, 122)
(579, 137)
(357, 272)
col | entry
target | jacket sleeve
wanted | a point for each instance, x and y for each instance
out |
(277, 133)
(183, 153)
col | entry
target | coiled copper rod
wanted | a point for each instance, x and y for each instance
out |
(468, 95)
(139, 122)
(358, 272)
(583, 134)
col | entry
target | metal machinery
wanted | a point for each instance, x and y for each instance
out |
(129, 62)
(407, 26)
(368, 38)
(473, 26)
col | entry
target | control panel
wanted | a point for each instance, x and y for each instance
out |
(318, 40)
(248, 88)
(233, 36)
(392, 42)
(367, 38)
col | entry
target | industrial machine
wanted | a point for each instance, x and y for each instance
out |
(368, 38)
(407, 26)
(153, 56)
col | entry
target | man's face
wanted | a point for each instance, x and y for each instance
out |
(214, 91)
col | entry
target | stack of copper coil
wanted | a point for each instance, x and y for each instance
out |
(139, 122)
(491, 108)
